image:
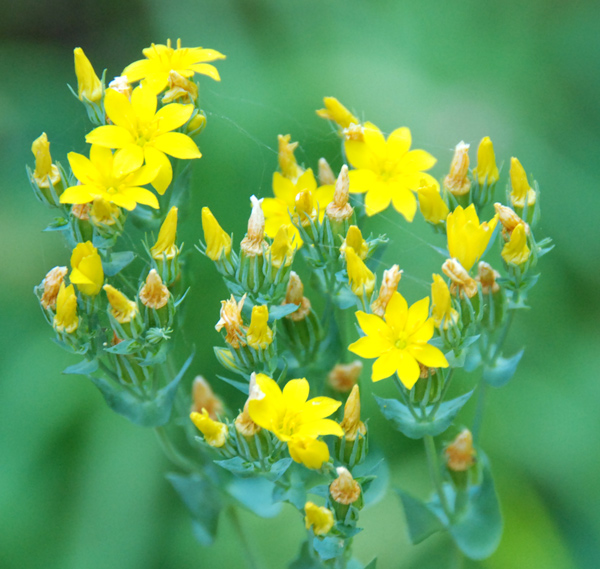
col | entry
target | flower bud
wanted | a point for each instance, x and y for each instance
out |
(196, 124)
(122, 309)
(294, 294)
(433, 207)
(51, 285)
(355, 240)
(344, 489)
(486, 171)
(165, 244)
(218, 243)
(89, 86)
(308, 451)
(516, 251)
(287, 161)
(305, 207)
(45, 172)
(66, 319)
(509, 219)
(441, 305)
(254, 242)
(351, 424)
(326, 175)
(460, 454)
(336, 112)
(180, 88)
(320, 519)
(86, 269)
(339, 209)
(231, 320)
(259, 335)
(282, 249)
(487, 277)
(521, 191)
(215, 433)
(203, 397)
(154, 294)
(244, 424)
(102, 212)
(389, 285)
(343, 377)
(360, 278)
(462, 283)
(81, 211)
(457, 181)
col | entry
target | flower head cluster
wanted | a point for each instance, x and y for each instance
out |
(399, 340)
(295, 419)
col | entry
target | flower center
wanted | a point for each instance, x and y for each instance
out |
(400, 343)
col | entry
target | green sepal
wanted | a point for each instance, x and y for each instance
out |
(59, 224)
(417, 427)
(420, 519)
(85, 367)
(117, 262)
(239, 385)
(502, 371)
(143, 412)
(202, 501)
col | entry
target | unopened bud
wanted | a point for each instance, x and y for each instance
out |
(180, 88)
(45, 172)
(339, 209)
(487, 277)
(254, 242)
(352, 425)
(203, 397)
(344, 489)
(320, 519)
(521, 191)
(355, 240)
(509, 220)
(336, 112)
(231, 320)
(282, 249)
(259, 335)
(287, 161)
(343, 377)
(51, 284)
(460, 454)
(294, 294)
(305, 207)
(389, 285)
(360, 277)
(462, 282)
(215, 433)
(326, 175)
(165, 244)
(516, 251)
(486, 170)
(102, 212)
(154, 294)
(457, 181)
(81, 211)
(122, 309)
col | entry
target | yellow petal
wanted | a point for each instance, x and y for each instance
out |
(322, 427)
(396, 311)
(404, 202)
(385, 365)
(417, 315)
(428, 355)
(367, 347)
(360, 155)
(408, 369)
(417, 160)
(141, 196)
(78, 194)
(83, 169)
(110, 136)
(295, 393)
(176, 144)
(205, 69)
(156, 159)
(119, 111)
(374, 139)
(377, 199)
(172, 116)
(398, 143)
(361, 181)
(371, 324)
(127, 160)
(143, 103)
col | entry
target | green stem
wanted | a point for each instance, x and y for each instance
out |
(443, 395)
(434, 472)
(406, 401)
(478, 419)
(243, 540)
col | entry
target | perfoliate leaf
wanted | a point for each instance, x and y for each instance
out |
(328, 547)
(254, 494)
(502, 371)
(403, 420)
(420, 519)
(117, 262)
(85, 367)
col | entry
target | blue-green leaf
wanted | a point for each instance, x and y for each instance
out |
(417, 427)
(502, 371)
(279, 311)
(421, 521)
(305, 560)
(144, 412)
(237, 466)
(255, 494)
(85, 367)
(117, 262)
(202, 500)
(328, 547)
(124, 347)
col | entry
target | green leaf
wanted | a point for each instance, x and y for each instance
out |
(144, 412)
(328, 547)
(59, 224)
(279, 311)
(478, 530)
(372, 564)
(305, 559)
(502, 371)
(118, 261)
(417, 427)
(254, 494)
(373, 475)
(85, 367)
(202, 500)
(421, 521)
(240, 385)
(238, 466)
(124, 347)
(278, 469)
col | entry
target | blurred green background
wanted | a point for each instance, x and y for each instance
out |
(79, 485)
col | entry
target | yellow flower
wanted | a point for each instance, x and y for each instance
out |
(389, 284)
(509, 219)
(203, 397)
(122, 309)
(467, 238)
(441, 305)
(351, 423)
(387, 170)
(487, 276)
(516, 252)
(259, 334)
(218, 243)
(162, 59)
(399, 340)
(231, 320)
(165, 243)
(86, 269)
(462, 282)
(361, 279)
(460, 454)
(521, 191)
(457, 181)
(486, 170)
(66, 319)
(336, 112)
(287, 161)
(103, 212)
(355, 240)
(215, 433)
(45, 172)
(89, 86)
(154, 294)
(320, 519)
(141, 133)
(180, 88)
(106, 176)
(51, 283)
(433, 207)
(298, 199)
(293, 418)
(282, 249)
